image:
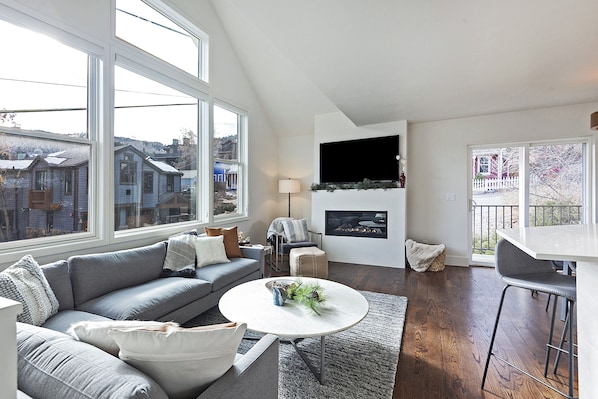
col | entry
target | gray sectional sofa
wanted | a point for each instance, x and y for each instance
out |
(125, 285)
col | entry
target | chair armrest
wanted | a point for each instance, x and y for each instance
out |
(317, 236)
(253, 376)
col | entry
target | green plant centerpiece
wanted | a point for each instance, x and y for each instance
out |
(309, 294)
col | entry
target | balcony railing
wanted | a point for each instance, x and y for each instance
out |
(486, 219)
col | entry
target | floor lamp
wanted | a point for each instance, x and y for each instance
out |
(289, 186)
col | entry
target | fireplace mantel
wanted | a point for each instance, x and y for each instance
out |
(389, 252)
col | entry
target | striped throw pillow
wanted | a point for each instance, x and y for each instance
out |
(295, 230)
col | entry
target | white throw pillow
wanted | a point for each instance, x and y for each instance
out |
(96, 332)
(210, 250)
(183, 361)
(295, 230)
(25, 282)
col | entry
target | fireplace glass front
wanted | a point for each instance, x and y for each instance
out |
(370, 224)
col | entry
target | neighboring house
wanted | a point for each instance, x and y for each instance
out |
(154, 200)
(48, 195)
(226, 173)
(490, 165)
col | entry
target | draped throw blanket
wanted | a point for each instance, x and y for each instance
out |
(276, 228)
(421, 256)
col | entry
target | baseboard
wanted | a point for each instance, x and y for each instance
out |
(457, 261)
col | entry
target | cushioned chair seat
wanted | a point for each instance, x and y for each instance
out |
(75, 370)
(223, 274)
(148, 301)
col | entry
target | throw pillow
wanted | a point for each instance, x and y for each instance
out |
(180, 256)
(210, 250)
(231, 240)
(183, 361)
(25, 282)
(96, 332)
(295, 230)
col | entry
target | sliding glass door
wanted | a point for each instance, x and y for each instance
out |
(532, 184)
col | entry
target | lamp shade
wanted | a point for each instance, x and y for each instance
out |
(594, 121)
(289, 186)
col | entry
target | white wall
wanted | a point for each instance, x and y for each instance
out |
(88, 18)
(295, 160)
(438, 164)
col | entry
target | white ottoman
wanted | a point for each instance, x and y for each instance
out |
(308, 262)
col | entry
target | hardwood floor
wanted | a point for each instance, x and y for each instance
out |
(449, 321)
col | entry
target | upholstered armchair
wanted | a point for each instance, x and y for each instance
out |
(287, 233)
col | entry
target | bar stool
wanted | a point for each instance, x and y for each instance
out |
(517, 269)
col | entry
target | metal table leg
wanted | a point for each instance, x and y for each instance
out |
(319, 374)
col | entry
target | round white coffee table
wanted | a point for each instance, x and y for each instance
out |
(253, 303)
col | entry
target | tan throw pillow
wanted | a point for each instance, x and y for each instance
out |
(96, 332)
(183, 361)
(231, 239)
(210, 250)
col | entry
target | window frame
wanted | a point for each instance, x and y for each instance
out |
(103, 56)
(241, 162)
(43, 25)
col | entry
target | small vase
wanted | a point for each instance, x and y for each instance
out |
(402, 179)
(279, 296)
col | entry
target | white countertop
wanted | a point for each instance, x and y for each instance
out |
(577, 242)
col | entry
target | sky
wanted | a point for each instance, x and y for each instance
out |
(52, 76)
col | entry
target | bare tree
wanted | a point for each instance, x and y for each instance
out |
(188, 151)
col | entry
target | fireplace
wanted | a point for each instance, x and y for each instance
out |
(371, 224)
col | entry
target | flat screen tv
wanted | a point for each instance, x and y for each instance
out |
(352, 161)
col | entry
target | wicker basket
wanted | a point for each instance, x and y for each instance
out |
(438, 262)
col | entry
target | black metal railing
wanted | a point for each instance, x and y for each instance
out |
(486, 219)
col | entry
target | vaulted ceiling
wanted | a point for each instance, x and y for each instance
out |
(386, 60)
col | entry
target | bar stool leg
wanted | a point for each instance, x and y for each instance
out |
(502, 299)
(550, 335)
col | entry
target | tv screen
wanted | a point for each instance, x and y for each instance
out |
(352, 161)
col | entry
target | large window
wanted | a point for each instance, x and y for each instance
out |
(153, 32)
(111, 139)
(44, 137)
(155, 132)
(229, 160)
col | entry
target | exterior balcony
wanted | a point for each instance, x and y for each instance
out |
(42, 199)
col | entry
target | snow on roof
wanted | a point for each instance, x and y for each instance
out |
(54, 160)
(163, 166)
(18, 164)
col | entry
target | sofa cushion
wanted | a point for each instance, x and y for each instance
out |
(57, 274)
(64, 319)
(54, 365)
(231, 239)
(223, 274)
(210, 250)
(24, 282)
(97, 274)
(96, 332)
(184, 361)
(148, 301)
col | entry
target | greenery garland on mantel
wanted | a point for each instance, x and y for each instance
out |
(366, 184)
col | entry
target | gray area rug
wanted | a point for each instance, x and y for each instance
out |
(360, 362)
